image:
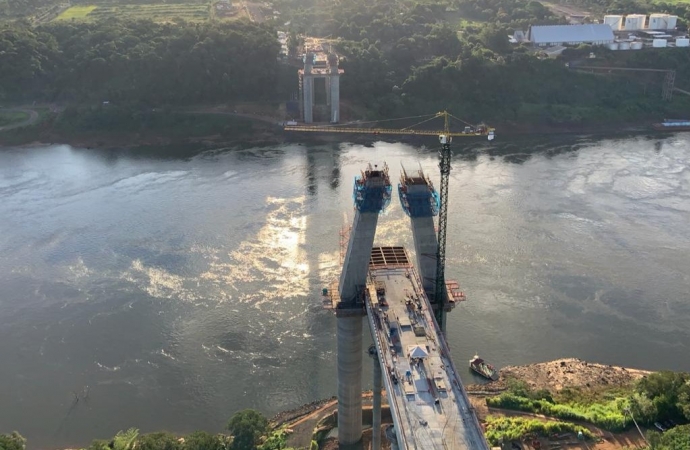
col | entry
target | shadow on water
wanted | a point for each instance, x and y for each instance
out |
(79, 398)
(312, 185)
(335, 171)
(326, 160)
(323, 166)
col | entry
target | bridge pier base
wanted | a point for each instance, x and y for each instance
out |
(349, 380)
(376, 410)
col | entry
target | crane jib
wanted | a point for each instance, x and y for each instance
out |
(319, 129)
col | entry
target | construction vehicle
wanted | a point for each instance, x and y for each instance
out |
(445, 137)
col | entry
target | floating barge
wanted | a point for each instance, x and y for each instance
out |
(483, 368)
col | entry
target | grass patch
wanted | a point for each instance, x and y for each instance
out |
(603, 409)
(191, 12)
(459, 21)
(12, 117)
(515, 428)
(76, 13)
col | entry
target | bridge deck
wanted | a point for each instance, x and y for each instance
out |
(429, 405)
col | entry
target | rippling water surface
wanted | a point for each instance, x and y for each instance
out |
(182, 287)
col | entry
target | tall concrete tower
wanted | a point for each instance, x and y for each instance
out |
(372, 193)
(320, 64)
(307, 88)
(333, 87)
(421, 202)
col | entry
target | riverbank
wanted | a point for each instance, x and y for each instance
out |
(591, 379)
(559, 374)
(221, 127)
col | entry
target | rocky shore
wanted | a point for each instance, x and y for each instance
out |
(294, 414)
(563, 373)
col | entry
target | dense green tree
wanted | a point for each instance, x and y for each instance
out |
(158, 441)
(13, 441)
(138, 61)
(495, 38)
(669, 392)
(247, 427)
(125, 440)
(643, 408)
(677, 438)
(201, 440)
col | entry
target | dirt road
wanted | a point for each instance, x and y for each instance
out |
(33, 117)
(566, 10)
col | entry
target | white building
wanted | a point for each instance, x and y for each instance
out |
(662, 22)
(635, 22)
(552, 35)
(616, 22)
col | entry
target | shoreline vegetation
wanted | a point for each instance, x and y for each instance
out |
(127, 82)
(112, 127)
(563, 402)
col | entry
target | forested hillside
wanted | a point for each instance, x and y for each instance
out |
(399, 57)
(16, 8)
(138, 62)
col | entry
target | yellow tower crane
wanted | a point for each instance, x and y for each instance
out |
(445, 137)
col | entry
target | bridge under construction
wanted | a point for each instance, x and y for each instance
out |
(429, 406)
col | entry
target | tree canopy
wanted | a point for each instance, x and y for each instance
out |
(667, 394)
(247, 427)
(404, 57)
(677, 438)
(139, 61)
(13, 441)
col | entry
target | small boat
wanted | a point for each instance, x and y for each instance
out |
(483, 368)
(673, 125)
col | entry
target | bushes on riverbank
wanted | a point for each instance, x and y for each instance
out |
(659, 396)
(12, 441)
(609, 415)
(515, 428)
(675, 439)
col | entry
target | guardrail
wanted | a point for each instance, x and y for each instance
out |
(400, 432)
(461, 387)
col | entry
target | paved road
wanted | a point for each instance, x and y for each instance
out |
(33, 117)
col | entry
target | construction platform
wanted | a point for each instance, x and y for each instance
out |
(429, 405)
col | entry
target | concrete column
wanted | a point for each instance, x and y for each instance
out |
(328, 90)
(349, 380)
(301, 97)
(309, 100)
(376, 412)
(356, 265)
(335, 98)
(425, 246)
(308, 87)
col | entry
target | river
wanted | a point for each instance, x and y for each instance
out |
(168, 288)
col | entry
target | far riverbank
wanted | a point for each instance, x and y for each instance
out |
(220, 127)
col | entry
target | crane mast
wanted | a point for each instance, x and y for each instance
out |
(440, 295)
